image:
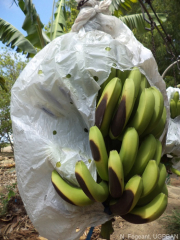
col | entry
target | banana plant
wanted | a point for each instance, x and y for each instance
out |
(36, 38)
(59, 23)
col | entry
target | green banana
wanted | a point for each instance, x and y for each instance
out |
(111, 76)
(122, 75)
(173, 108)
(135, 75)
(158, 130)
(149, 212)
(147, 85)
(158, 188)
(97, 192)
(123, 110)
(129, 149)
(158, 153)
(150, 177)
(178, 108)
(165, 190)
(130, 197)
(145, 153)
(142, 87)
(70, 194)
(144, 111)
(158, 110)
(116, 175)
(174, 170)
(176, 97)
(99, 152)
(107, 104)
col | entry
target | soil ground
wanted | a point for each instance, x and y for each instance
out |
(16, 225)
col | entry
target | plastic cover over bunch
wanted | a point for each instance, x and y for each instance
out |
(53, 105)
(172, 138)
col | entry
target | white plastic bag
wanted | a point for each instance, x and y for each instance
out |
(56, 93)
(172, 138)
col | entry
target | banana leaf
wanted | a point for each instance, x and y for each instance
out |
(121, 4)
(12, 37)
(33, 25)
(59, 23)
(137, 21)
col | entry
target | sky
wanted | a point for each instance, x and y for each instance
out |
(14, 15)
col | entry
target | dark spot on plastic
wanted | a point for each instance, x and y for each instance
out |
(71, 102)
(54, 132)
(119, 119)
(95, 151)
(40, 72)
(96, 78)
(48, 112)
(85, 129)
(58, 164)
(107, 48)
(100, 111)
(68, 76)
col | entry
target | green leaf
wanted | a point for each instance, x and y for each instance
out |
(107, 229)
(121, 4)
(11, 194)
(12, 37)
(60, 20)
(137, 21)
(33, 25)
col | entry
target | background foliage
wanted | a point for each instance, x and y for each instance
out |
(11, 65)
(171, 26)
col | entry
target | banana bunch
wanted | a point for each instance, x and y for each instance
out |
(175, 105)
(130, 117)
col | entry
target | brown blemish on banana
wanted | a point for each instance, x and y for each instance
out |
(119, 119)
(123, 205)
(115, 186)
(100, 111)
(95, 151)
(83, 186)
(62, 195)
(132, 218)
